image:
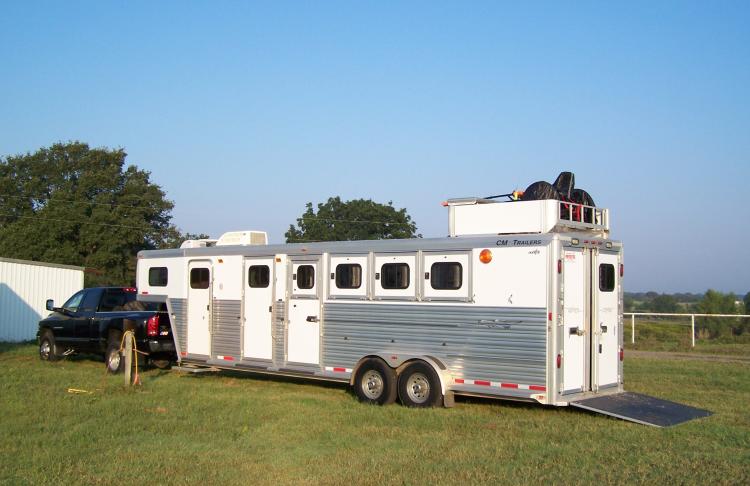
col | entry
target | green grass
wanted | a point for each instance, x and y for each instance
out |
(674, 336)
(242, 429)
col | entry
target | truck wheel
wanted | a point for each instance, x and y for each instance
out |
(419, 386)
(47, 347)
(375, 382)
(113, 359)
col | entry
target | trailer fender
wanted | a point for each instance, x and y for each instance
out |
(400, 361)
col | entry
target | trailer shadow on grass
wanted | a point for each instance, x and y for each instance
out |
(258, 376)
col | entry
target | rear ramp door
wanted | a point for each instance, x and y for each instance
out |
(642, 409)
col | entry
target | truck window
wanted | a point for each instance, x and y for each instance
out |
(258, 276)
(394, 276)
(446, 276)
(348, 276)
(606, 277)
(90, 300)
(73, 302)
(158, 276)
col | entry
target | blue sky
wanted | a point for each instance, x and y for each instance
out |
(245, 111)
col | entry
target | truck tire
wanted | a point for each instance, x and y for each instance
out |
(47, 347)
(375, 382)
(419, 386)
(112, 358)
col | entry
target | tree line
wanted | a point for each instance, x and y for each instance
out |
(711, 302)
(77, 205)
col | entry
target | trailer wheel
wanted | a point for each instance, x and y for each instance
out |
(375, 382)
(113, 358)
(48, 348)
(419, 386)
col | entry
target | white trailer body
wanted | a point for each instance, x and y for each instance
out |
(533, 316)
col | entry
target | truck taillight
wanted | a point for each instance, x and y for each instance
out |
(152, 325)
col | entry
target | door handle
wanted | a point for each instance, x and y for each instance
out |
(577, 331)
(312, 319)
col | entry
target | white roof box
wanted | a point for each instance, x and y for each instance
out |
(477, 216)
(197, 243)
(243, 238)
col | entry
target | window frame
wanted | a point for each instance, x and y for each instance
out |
(190, 278)
(408, 293)
(268, 276)
(300, 292)
(361, 259)
(166, 277)
(613, 277)
(463, 293)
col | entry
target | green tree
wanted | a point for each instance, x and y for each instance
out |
(714, 302)
(358, 219)
(747, 303)
(664, 303)
(76, 205)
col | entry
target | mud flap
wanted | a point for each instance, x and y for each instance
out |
(642, 409)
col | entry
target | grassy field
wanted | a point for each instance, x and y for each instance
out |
(225, 428)
(674, 335)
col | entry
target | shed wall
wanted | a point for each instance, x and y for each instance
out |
(24, 289)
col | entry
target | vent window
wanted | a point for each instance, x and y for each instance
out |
(394, 276)
(158, 276)
(606, 277)
(446, 276)
(259, 276)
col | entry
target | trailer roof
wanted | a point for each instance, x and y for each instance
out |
(405, 245)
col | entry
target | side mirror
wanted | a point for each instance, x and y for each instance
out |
(50, 304)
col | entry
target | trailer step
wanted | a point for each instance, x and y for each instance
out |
(194, 369)
(642, 409)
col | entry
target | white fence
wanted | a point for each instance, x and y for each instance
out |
(666, 314)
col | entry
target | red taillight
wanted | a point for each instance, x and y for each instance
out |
(152, 325)
(559, 361)
(622, 270)
(130, 289)
(559, 266)
(622, 354)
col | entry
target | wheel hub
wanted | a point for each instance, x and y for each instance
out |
(418, 388)
(372, 384)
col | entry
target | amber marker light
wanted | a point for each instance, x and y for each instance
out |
(485, 256)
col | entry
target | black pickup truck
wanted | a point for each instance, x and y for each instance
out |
(93, 321)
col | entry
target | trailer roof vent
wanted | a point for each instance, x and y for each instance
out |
(197, 243)
(243, 238)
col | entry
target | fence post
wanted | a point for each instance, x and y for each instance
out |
(632, 328)
(692, 326)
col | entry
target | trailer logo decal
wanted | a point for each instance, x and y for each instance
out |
(497, 384)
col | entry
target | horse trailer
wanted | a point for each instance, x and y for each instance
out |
(523, 301)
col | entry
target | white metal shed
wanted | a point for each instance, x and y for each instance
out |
(25, 286)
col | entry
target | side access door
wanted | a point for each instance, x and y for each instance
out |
(258, 308)
(575, 333)
(605, 290)
(199, 308)
(303, 333)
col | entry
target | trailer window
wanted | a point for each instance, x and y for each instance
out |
(259, 276)
(606, 277)
(199, 278)
(305, 277)
(446, 276)
(349, 276)
(394, 276)
(158, 276)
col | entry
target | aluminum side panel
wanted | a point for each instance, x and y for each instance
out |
(481, 343)
(226, 334)
(179, 317)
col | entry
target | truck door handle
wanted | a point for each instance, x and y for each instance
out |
(577, 331)
(312, 319)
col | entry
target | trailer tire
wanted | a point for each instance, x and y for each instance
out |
(113, 358)
(375, 382)
(419, 386)
(47, 347)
